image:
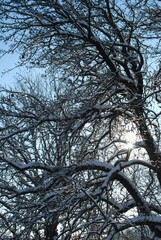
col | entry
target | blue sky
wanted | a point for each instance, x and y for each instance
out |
(7, 71)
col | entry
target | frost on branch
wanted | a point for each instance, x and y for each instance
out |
(80, 146)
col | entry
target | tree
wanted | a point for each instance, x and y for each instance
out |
(67, 169)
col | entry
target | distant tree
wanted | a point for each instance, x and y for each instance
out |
(80, 148)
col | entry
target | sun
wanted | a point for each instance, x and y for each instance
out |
(129, 145)
(130, 139)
